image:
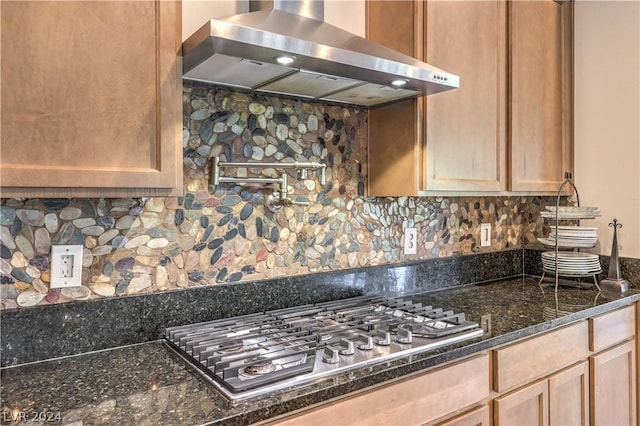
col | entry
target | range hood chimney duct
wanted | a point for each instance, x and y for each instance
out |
(326, 63)
(313, 9)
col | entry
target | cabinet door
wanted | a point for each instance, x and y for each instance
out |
(569, 396)
(395, 136)
(91, 98)
(466, 127)
(540, 67)
(525, 406)
(613, 386)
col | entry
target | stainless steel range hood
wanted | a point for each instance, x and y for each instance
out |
(330, 64)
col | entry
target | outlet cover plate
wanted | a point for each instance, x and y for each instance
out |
(485, 234)
(66, 266)
(410, 240)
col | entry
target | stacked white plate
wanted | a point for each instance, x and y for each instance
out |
(571, 236)
(571, 263)
(570, 212)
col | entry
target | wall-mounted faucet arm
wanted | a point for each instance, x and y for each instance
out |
(278, 198)
(301, 166)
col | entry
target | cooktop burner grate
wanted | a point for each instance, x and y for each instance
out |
(253, 354)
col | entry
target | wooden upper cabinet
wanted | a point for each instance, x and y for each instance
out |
(466, 127)
(540, 87)
(395, 134)
(91, 98)
(507, 128)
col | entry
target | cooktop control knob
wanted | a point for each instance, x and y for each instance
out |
(330, 355)
(383, 338)
(404, 336)
(366, 342)
(346, 347)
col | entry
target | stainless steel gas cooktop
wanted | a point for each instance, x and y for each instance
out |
(256, 354)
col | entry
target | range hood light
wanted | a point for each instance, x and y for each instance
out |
(285, 59)
(399, 82)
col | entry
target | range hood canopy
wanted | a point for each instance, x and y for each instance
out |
(329, 64)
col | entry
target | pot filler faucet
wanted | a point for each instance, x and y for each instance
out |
(280, 196)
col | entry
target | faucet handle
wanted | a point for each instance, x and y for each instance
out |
(276, 201)
(289, 201)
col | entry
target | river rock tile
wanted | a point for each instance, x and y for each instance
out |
(338, 229)
(42, 241)
(31, 217)
(7, 215)
(29, 298)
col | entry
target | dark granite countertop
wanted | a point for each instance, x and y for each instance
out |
(148, 384)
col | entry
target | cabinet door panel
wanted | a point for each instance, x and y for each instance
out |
(91, 95)
(569, 396)
(540, 94)
(526, 406)
(466, 127)
(613, 386)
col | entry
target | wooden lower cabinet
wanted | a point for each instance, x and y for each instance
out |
(562, 399)
(580, 374)
(599, 387)
(613, 386)
(413, 401)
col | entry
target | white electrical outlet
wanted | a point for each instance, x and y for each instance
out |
(485, 234)
(410, 240)
(66, 266)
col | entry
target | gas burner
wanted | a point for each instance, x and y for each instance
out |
(260, 368)
(259, 353)
(230, 347)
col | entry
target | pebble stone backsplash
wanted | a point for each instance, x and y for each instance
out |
(144, 245)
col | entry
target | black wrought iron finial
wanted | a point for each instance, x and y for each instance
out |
(615, 224)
